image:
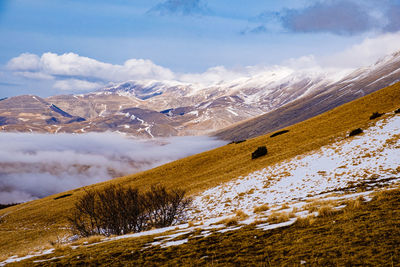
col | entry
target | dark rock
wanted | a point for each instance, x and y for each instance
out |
(237, 142)
(52, 120)
(259, 152)
(62, 196)
(356, 132)
(279, 133)
(397, 111)
(375, 115)
(76, 119)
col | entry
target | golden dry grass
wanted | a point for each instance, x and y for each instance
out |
(261, 208)
(367, 237)
(229, 221)
(278, 217)
(305, 221)
(32, 224)
(241, 215)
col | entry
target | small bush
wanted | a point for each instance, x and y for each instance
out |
(259, 152)
(375, 115)
(117, 210)
(279, 133)
(356, 132)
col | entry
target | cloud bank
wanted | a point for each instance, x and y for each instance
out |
(44, 164)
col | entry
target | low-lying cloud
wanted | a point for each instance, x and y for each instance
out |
(36, 165)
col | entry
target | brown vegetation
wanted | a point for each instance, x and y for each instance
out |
(117, 210)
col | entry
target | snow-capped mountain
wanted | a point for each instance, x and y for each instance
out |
(182, 108)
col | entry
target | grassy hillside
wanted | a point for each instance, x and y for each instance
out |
(366, 235)
(34, 224)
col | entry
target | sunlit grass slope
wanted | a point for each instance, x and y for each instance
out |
(35, 223)
(366, 235)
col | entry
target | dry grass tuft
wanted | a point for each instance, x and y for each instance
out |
(315, 205)
(306, 221)
(354, 204)
(326, 211)
(261, 208)
(285, 206)
(88, 240)
(278, 217)
(241, 215)
(229, 221)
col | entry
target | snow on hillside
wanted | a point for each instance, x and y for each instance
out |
(370, 158)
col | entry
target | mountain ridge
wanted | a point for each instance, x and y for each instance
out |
(224, 109)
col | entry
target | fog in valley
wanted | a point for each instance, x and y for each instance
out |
(35, 165)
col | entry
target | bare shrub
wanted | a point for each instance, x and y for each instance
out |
(117, 210)
(165, 208)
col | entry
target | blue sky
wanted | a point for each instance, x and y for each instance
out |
(50, 47)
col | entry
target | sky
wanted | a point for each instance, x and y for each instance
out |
(50, 47)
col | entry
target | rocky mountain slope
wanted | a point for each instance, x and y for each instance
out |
(357, 84)
(282, 97)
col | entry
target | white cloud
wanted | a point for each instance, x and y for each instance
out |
(24, 62)
(365, 53)
(76, 85)
(73, 66)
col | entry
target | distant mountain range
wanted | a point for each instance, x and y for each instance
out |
(239, 109)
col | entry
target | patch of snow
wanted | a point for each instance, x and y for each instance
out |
(174, 243)
(372, 157)
(230, 109)
(104, 110)
(195, 112)
(14, 259)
